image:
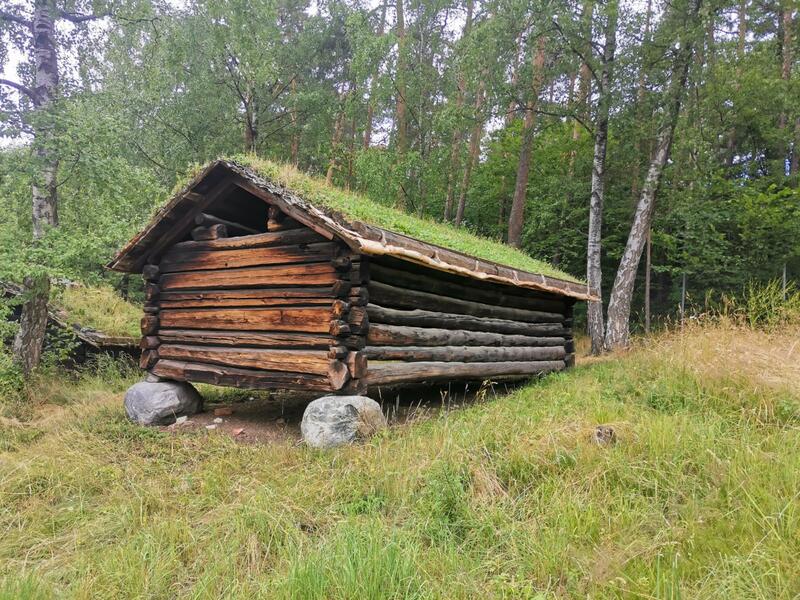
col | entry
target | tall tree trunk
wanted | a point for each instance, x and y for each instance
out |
(294, 150)
(335, 140)
(787, 8)
(516, 217)
(27, 346)
(371, 103)
(641, 94)
(594, 275)
(250, 124)
(401, 119)
(619, 307)
(733, 134)
(473, 153)
(455, 144)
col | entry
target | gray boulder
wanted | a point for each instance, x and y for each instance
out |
(160, 403)
(332, 421)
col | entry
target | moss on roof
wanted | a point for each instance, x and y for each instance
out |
(361, 208)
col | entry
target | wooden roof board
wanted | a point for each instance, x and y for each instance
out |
(165, 228)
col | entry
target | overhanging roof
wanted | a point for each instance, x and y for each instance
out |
(175, 219)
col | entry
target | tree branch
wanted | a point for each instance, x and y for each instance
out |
(79, 18)
(6, 16)
(24, 89)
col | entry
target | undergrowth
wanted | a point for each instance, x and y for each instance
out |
(506, 498)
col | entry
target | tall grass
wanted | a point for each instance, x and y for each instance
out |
(507, 498)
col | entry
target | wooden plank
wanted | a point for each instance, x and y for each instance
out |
(392, 296)
(310, 320)
(241, 378)
(392, 373)
(293, 294)
(465, 353)
(298, 361)
(245, 302)
(280, 275)
(397, 335)
(261, 240)
(197, 260)
(426, 318)
(272, 339)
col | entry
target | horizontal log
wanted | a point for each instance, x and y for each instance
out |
(463, 288)
(396, 335)
(241, 378)
(277, 220)
(392, 373)
(359, 296)
(245, 302)
(339, 309)
(197, 260)
(260, 240)
(337, 352)
(342, 288)
(299, 361)
(291, 294)
(151, 291)
(280, 275)
(465, 353)
(214, 232)
(392, 296)
(338, 374)
(149, 342)
(209, 220)
(310, 320)
(427, 318)
(148, 358)
(359, 271)
(358, 319)
(273, 339)
(339, 328)
(354, 342)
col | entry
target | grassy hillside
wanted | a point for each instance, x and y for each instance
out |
(99, 308)
(507, 498)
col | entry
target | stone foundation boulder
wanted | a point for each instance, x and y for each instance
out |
(162, 402)
(332, 421)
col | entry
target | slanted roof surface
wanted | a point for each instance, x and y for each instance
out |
(365, 225)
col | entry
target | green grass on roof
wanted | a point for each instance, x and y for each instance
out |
(99, 308)
(362, 208)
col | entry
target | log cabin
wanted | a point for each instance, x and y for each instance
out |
(258, 284)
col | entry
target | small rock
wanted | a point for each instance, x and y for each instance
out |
(238, 431)
(223, 411)
(211, 427)
(604, 435)
(162, 402)
(181, 420)
(332, 421)
(280, 420)
(218, 420)
(150, 378)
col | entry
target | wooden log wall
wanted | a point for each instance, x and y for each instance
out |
(281, 309)
(429, 326)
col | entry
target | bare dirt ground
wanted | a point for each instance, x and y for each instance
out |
(275, 417)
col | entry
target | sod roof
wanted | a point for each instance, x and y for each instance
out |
(369, 225)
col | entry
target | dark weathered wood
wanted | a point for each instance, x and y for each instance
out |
(273, 339)
(358, 319)
(241, 378)
(277, 220)
(339, 309)
(359, 296)
(298, 361)
(465, 353)
(416, 277)
(341, 263)
(426, 318)
(150, 272)
(310, 320)
(342, 288)
(280, 275)
(209, 220)
(198, 260)
(569, 360)
(339, 352)
(260, 240)
(339, 328)
(149, 342)
(392, 373)
(338, 374)
(397, 335)
(354, 342)
(150, 309)
(151, 291)
(214, 232)
(356, 387)
(149, 324)
(148, 358)
(392, 296)
(359, 271)
(357, 364)
(298, 295)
